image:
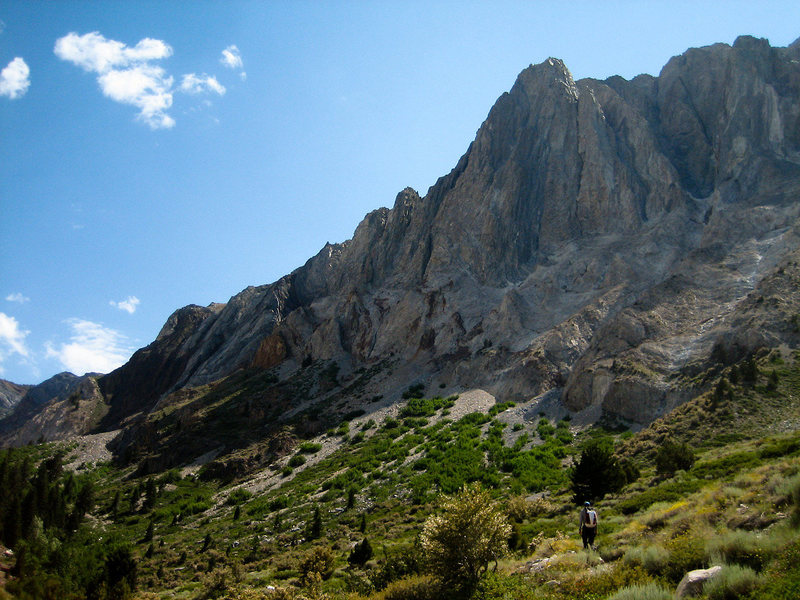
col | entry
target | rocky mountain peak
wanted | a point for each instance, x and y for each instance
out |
(596, 241)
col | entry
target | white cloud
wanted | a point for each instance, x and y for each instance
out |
(231, 57)
(17, 297)
(192, 84)
(146, 87)
(15, 79)
(125, 74)
(96, 54)
(12, 339)
(92, 348)
(128, 305)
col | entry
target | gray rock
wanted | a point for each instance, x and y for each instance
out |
(692, 583)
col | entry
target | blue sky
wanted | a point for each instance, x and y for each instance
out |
(159, 154)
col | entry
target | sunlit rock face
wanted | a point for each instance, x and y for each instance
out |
(598, 238)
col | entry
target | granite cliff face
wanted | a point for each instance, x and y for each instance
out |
(597, 237)
(599, 240)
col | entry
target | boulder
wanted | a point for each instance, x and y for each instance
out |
(692, 583)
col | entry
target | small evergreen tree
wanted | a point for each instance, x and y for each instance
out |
(148, 536)
(315, 529)
(597, 473)
(362, 527)
(772, 381)
(361, 553)
(150, 494)
(672, 457)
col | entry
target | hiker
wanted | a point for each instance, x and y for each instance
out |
(588, 525)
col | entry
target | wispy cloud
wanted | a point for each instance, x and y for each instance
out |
(128, 305)
(12, 339)
(92, 348)
(17, 297)
(194, 84)
(15, 79)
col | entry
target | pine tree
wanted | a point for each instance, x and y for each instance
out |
(597, 473)
(363, 525)
(315, 530)
(150, 494)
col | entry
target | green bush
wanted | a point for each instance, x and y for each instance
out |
(686, 553)
(647, 591)
(310, 448)
(731, 583)
(743, 548)
(238, 496)
(460, 543)
(297, 460)
(652, 559)
(672, 457)
(319, 560)
(418, 587)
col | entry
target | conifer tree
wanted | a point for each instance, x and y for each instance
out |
(597, 473)
(315, 530)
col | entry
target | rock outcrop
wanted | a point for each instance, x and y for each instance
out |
(10, 395)
(60, 408)
(598, 238)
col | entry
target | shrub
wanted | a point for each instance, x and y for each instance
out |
(652, 559)
(742, 548)
(731, 583)
(310, 448)
(297, 460)
(544, 428)
(238, 496)
(419, 587)
(460, 543)
(686, 554)
(672, 457)
(317, 560)
(647, 591)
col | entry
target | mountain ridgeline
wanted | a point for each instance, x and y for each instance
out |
(603, 243)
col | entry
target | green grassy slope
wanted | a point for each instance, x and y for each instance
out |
(265, 534)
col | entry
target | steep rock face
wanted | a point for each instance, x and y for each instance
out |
(61, 407)
(597, 236)
(154, 370)
(10, 395)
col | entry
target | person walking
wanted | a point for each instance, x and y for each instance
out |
(587, 525)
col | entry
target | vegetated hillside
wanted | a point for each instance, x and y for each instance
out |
(298, 528)
(598, 241)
